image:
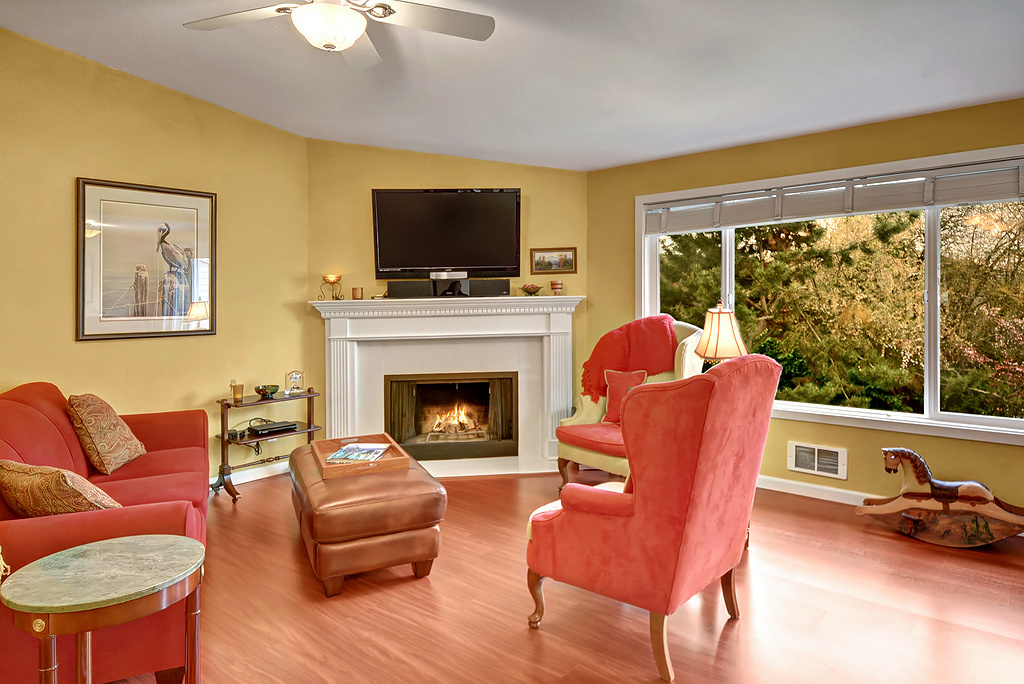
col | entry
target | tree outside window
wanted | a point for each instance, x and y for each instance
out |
(839, 302)
(982, 309)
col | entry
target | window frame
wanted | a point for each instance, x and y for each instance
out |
(933, 422)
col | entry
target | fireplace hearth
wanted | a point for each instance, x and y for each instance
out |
(454, 415)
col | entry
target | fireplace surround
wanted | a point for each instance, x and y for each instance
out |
(530, 336)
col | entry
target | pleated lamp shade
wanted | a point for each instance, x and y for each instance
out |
(721, 338)
(198, 311)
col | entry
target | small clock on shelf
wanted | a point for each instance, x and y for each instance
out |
(293, 383)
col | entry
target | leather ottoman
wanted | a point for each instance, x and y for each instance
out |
(366, 522)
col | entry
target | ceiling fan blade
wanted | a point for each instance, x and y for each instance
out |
(438, 19)
(361, 54)
(242, 17)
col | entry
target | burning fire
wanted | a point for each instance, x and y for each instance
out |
(455, 420)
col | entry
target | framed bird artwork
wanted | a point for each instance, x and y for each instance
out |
(146, 261)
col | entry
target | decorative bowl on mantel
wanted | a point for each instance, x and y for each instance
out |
(267, 391)
(531, 289)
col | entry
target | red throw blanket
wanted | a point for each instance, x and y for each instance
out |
(644, 344)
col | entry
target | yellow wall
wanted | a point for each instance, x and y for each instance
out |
(62, 117)
(341, 240)
(611, 249)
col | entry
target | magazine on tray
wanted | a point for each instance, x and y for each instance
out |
(358, 452)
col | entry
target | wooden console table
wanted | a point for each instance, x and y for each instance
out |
(106, 583)
(224, 473)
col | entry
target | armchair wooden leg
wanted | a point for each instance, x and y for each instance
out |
(729, 593)
(563, 470)
(534, 582)
(659, 643)
(422, 568)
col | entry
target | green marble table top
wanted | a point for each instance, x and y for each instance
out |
(103, 573)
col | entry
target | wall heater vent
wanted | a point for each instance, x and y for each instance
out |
(817, 460)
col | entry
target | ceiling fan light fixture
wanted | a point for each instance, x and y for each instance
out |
(328, 27)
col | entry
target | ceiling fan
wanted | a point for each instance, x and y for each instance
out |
(341, 25)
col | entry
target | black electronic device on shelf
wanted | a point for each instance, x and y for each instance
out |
(270, 428)
(472, 287)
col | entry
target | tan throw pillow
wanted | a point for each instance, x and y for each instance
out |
(33, 491)
(107, 440)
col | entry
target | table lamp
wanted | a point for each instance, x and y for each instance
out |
(197, 313)
(721, 338)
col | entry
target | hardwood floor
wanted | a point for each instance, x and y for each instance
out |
(824, 596)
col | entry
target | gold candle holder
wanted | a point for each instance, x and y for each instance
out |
(334, 282)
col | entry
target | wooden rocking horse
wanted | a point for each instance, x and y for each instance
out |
(958, 514)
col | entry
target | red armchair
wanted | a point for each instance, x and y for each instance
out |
(163, 491)
(694, 448)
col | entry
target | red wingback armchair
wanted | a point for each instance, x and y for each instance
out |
(694, 448)
(163, 491)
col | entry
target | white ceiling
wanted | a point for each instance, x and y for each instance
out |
(571, 84)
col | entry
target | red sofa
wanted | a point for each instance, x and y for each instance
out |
(164, 491)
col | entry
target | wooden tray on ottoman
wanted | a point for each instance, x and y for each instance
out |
(394, 458)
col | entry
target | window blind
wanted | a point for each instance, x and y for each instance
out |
(988, 182)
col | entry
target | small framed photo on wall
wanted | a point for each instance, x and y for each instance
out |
(557, 260)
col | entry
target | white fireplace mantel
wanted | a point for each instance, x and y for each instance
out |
(368, 339)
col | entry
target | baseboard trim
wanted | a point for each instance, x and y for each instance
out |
(257, 472)
(813, 491)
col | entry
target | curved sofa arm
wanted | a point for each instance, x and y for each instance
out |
(587, 411)
(170, 429)
(594, 500)
(28, 539)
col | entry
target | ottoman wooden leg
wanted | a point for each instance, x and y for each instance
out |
(332, 585)
(422, 568)
(175, 675)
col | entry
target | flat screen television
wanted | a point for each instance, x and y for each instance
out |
(425, 233)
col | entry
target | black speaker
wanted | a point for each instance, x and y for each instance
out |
(410, 289)
(491, 287)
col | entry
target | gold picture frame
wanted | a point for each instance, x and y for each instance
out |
(552, 260)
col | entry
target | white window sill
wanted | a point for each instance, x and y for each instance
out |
(896, 422)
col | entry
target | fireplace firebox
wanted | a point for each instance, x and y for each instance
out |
(453, 415)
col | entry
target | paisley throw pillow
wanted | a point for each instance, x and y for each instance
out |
(33, 491)
(107, 440)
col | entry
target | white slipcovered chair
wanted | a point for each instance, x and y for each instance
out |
(585, 440)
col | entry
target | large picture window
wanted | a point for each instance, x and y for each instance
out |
(842, 298)
(981, 316)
